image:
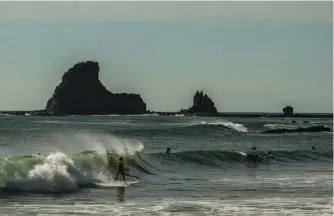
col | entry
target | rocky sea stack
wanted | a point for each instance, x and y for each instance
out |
(81, 93)
(288, 111)
(202, 103)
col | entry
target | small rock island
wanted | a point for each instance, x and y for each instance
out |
(202, 103)
(288, 111)
(81, 93)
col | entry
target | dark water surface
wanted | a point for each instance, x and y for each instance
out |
(209, 171)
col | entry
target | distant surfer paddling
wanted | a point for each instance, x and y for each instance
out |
(120, 169)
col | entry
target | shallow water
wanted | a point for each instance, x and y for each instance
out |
(207, 173)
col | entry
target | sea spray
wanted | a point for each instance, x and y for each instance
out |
(99, 142)
(57, 173)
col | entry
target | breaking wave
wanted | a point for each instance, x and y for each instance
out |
(230, 125)
(59, 172)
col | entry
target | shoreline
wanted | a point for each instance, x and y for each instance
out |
(225, 114)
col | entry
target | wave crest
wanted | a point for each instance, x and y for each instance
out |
(59, 172)
(230, 125)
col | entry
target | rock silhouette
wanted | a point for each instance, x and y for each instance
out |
(288, 111)
(202, 103)
(312, 129)
(81, 93)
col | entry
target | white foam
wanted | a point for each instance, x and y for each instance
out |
(57, 173)
(5, 114)
(179, 115)
(183, 206)
(231, 125)
(279, 126)
(243, 153)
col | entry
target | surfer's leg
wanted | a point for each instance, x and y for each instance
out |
(122, 172)
(123, 176)
(117, 173)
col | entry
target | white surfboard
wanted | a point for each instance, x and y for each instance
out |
(116, 184)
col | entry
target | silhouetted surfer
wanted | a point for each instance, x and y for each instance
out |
(313, 148)
(268, 154)
(168, 150)
(120, 168)
(259, 156)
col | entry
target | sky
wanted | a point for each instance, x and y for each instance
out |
(247, 56)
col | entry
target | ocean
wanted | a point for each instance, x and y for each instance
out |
(48, 166)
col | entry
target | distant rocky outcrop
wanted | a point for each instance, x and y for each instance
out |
(312, 129)
(288, 111)
(81, 93)
(202, 103)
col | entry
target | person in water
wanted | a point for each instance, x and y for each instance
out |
(120, 169)
(168, 150)
(269, 154)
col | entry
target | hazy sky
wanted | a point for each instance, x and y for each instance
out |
(248, 56)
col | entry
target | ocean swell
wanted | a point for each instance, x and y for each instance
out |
(58, 172)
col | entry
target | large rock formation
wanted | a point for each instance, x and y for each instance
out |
(81, 93)
(288, 111)
(202, 103)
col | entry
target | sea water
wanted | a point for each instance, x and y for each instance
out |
(49, 164)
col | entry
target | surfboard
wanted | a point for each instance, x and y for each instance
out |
(116, 184)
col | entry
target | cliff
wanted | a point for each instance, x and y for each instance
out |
(81, 93)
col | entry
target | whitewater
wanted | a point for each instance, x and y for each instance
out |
(50, 165)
